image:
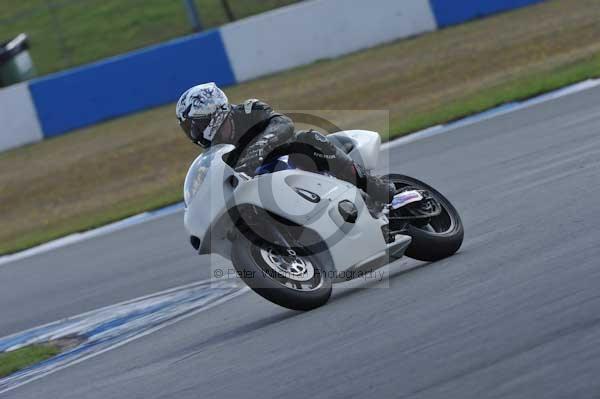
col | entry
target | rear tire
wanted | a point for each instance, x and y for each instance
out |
(256, 264)
(443, 237)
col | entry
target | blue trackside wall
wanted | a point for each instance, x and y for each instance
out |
(236, 52)
(129, 83)
(452, 12)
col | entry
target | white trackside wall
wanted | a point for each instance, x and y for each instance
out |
(19, 123)
(306, 32)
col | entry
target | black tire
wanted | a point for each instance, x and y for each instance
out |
(269, 285)
(429, 245)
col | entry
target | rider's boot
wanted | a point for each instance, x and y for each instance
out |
(379, 188)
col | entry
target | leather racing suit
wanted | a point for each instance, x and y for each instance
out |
(261, 135)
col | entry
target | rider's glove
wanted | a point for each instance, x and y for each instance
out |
(256, 153)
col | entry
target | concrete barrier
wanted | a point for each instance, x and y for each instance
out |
(452, 12)
(263, 44)
(129, 83)
(19, 123)
(312, 30)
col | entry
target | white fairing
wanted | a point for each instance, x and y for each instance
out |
(212, 194)
(212, 188)
(366, 146)
(347, 243)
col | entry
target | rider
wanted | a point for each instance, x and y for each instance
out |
(207, 118)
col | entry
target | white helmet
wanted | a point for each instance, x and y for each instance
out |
(202, 111)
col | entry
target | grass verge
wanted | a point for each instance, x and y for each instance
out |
(132, 164)
(517, 90)
(68, 33)
(11, 362)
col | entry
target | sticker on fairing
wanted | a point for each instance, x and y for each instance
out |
(406, 197)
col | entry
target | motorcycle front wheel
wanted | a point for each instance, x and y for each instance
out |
(292, 278)
(434, 238)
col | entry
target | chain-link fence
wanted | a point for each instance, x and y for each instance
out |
(66, 33)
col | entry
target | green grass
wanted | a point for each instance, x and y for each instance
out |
(74, 32)
(92, 220)
(516, 90)
(19, 359)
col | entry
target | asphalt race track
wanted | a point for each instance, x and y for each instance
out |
(516, 313)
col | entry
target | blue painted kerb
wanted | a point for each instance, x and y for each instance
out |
(133, 82)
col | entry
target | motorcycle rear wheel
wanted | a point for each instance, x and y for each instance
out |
(442, 236)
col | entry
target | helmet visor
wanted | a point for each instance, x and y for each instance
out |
(194, 128)
(217, 120)
(202, 130)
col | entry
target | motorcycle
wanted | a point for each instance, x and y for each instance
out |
(291, 233)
